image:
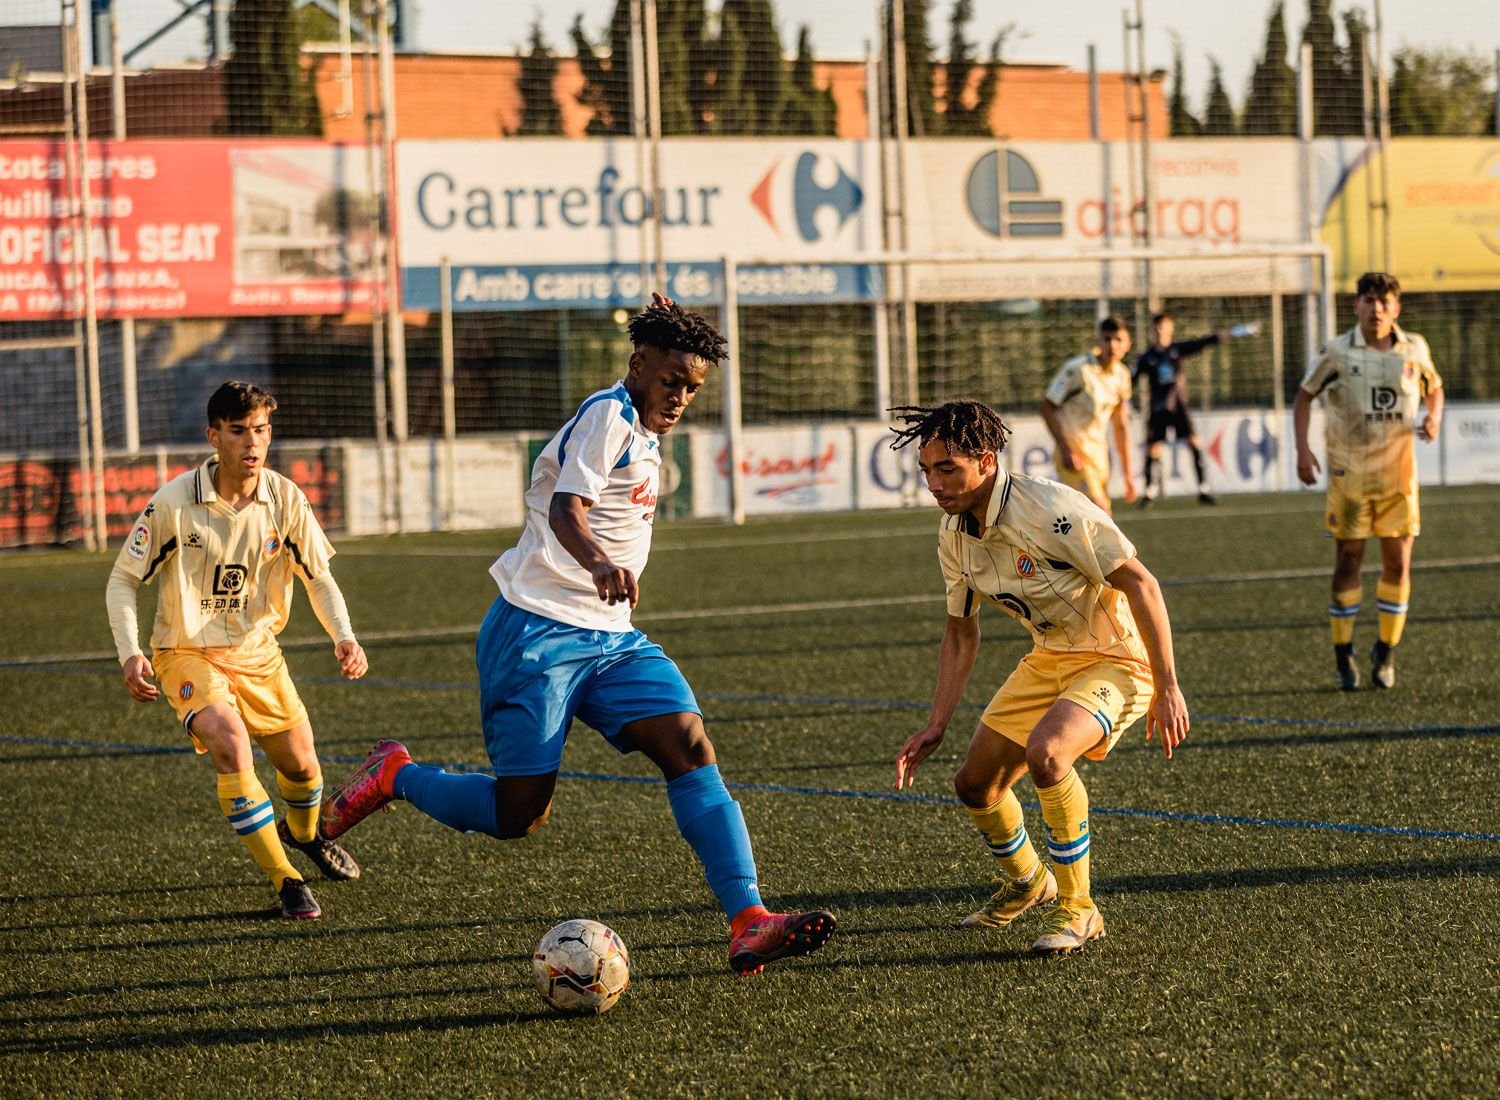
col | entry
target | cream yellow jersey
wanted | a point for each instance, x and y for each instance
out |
(1371, 399)
(225, 575)
(1042, 557)
(1086, 394)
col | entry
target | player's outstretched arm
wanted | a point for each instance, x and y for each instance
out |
(1307, 462)
(328, 604)
(956, 657)
(568, 517)
(135, 668)
(1168, 713)
(1065, 448)
(1433, 421)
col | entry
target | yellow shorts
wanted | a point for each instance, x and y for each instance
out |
(255, 682)
(1116, 692)
(1091, 481)
(1391, 517)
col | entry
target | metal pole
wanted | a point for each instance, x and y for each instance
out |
(1278, 370)
(1096, 132)
(84, 231)
(450, 415)
(638, 128)
(879, 317)
(80, 370)
(901, 117)
(653, 119)
(377, 270)
(1145, 100)
(129, 384)
(1367, 111)
(1305, 170)
(395, 321)
(734, 445)
(1383, 99)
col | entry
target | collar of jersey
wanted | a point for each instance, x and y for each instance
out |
(210, 493)
(1399, 337)
(999, 495)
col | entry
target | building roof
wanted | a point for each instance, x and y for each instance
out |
(477, 96)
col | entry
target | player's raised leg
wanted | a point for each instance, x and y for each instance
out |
(984, 785)
(247, 806)
(299, 777)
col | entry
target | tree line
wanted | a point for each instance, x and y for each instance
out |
(1442, 92)
(726, 73)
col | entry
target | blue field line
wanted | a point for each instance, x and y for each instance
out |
(852, 793)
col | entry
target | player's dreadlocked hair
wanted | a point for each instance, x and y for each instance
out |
(967, 428)
(677, 329)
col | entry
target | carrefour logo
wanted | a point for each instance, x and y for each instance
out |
(809, 196)
(1005, 198)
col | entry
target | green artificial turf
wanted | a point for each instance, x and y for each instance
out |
(1286, 916)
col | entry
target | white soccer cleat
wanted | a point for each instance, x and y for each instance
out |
(1068, 929)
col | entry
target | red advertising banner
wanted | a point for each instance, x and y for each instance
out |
(41, 498)
(187, 229)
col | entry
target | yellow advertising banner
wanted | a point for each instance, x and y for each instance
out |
(1444, 204)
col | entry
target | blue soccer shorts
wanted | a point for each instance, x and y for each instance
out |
(537, 674)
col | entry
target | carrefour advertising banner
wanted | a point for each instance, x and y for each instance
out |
(1065, 197)
(186, 228)
(559, 224)
(1444, 205)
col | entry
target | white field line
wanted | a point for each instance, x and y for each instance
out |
(746, 610)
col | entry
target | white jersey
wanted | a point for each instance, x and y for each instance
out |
(605, 455)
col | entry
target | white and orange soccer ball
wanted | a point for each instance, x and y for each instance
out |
(581, 967)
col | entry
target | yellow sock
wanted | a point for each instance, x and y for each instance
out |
(1065, 808)
(1004, 830)
(302, 802)
(1391, 599)
(248, 808)
(1341, 613)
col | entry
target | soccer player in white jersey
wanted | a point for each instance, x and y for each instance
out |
(558, 643)
(1088, 398)
(225, 541)
(1373, 380)
(1101, 658)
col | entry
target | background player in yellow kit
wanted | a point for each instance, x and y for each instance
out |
(1087, 398)
(1373, 380)
(1101, 658)
(225, 541)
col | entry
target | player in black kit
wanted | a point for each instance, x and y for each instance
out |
(1161, 364)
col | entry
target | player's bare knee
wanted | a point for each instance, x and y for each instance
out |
(978, 792)
(1048, 767)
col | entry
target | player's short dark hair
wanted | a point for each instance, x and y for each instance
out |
(677, 329)
(1158, 318)
(1378, 282)
(1114, 323)
(968, 428)
(237, 400)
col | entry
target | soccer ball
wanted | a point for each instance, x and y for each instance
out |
(581, 967)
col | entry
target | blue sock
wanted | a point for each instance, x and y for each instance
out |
(712, 823)
(465, 802)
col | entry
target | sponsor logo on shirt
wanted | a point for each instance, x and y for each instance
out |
(195, 541)
(645, 494)
(186, 690)
(1024, 565)
(140, 542)
(272, 545)
(1061, 525)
